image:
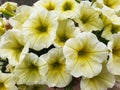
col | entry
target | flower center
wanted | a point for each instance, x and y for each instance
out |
(2, 87)
(67, 6)
(43, 29)
(63, 39)
(50, 7)
(33, 67)
(81, 52)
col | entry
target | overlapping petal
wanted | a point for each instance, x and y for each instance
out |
(57, 75)
(31, 70)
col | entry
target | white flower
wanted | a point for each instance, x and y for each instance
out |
(88, 19)
(30, 70)
(66, 30)
(68, 9)
(13, 46)
(84, 55)
(57, 75)
(40, 28)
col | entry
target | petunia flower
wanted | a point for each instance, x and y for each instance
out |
(8, 8)
(114, 4)
(13, 46)
(68, 9)
(57, 75)
(66, 29)
(88, 19)
(103, 81)
(84, 55)
(114, 55)
(7, 82)
(40, 28)
(31, 70)
(21, 15)
(50, 5)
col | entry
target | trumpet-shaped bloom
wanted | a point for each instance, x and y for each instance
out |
(7, 82)
(84, 55)
(89, 19)
(50, 5)
(8, 8)
(13, 46)
(66, 30)
(100, 82)
(40, 28)
(114, 55)
(22, 14)
(68, 9)
(30, 70)
(113, 4)
(57, 75)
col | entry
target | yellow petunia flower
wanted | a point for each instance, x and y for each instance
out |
(13, 46)
(103, 81)
(8, 8)
(84, 55)
(50, 5)
(20, 16)
(7, 82)
(88, 19)
(66, 29)
(68, 9)
(31, 70)
(114, 55)
(40, 28)
(113, 4)
(57, 75)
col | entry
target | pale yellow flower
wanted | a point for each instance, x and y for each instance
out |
(31, 70)
(13, 46)
(103, 81)
(21, 15)
(89, 19)
(66, 29)
(7, 82)
(68, 9)
(57, 75)
(50, 5)
(8, 8)
(113, 4)
(84, 55)
(114, 55)
(40, 28)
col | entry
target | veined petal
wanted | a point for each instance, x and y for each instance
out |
(66, 30)
(13, 46)
(57, 75)
(88, 19)
(84, 54)
(40, 28)
(30, 70)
